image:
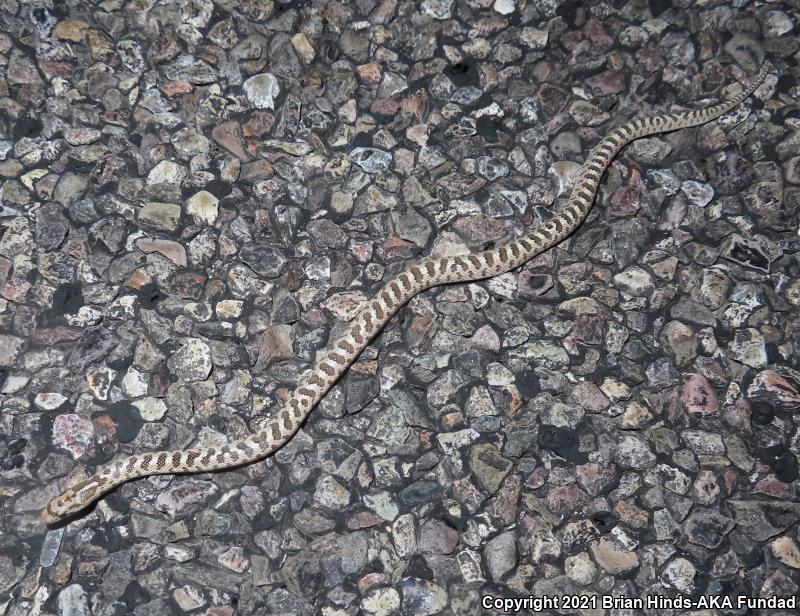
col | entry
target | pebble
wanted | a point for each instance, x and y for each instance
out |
(679, 574)
(634, 453)
(612, 557)
(501, 555)
(423, 597)
(436, 537)
(698, 396)
(262, 90)
(73, 601)
(381, 602)
(697, 193)
(73, 433)
(160, 216)
(167, 172)
(779, 389)
(371, 160)
(565, 173)
(786, 550)
(192, 361)
(748, 347)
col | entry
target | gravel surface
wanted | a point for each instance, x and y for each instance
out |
(195, 197)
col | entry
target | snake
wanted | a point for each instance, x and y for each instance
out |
(370, 320)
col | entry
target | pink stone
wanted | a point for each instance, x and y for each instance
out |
(729, 478)
(651, 59)
(596, 477)
(698, 397)
(369, 74)
(436, 537)
(608, 82)
(57, 334)
(486, 338)
(590, 397)
(16, 290)
(385, 106)
(776, 389)
(536, 479)
(73, 433)
(174, 88)
(597, 35)
(626, 200)
(770, 486)
(173, 251)
(532, 284)
(565, 499)
(188, 285)
(364, 519)
(229, 136)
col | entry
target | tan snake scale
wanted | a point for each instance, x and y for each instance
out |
(314, 384)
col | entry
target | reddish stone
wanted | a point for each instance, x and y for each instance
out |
(294, 274)
(593, 30)
(385, 106)
(590, 397)
(16, 290)
(117, 118)
(105, 428)
(369, 74)
(536, 479)
(175, 88)
(259, 124)
(362, 251)
(229, 136)
(589, 328)
(596, 477)
(776, 389)
(369, 580)
(770, 486)
(436, 537)
(565, 499)
(416, 104)
(729, 479)
(163, 49)
(492, 24)
(364, 519)
(73, 433)
(552, 100)
(188, 285)
(532, 284)
(78, 249)
(394, 244)
(55, 69)
(159, 383)
(608, 82)
(173, 251)
(626, 200)
(698, 397)
(57, 334)
(139, 279)
(651, 59)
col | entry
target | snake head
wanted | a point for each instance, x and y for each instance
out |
(72, 500)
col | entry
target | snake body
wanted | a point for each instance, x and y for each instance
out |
(427, 273)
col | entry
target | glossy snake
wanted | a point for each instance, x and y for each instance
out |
(375, 314)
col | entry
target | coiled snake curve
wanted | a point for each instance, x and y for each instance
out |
(313, 385)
